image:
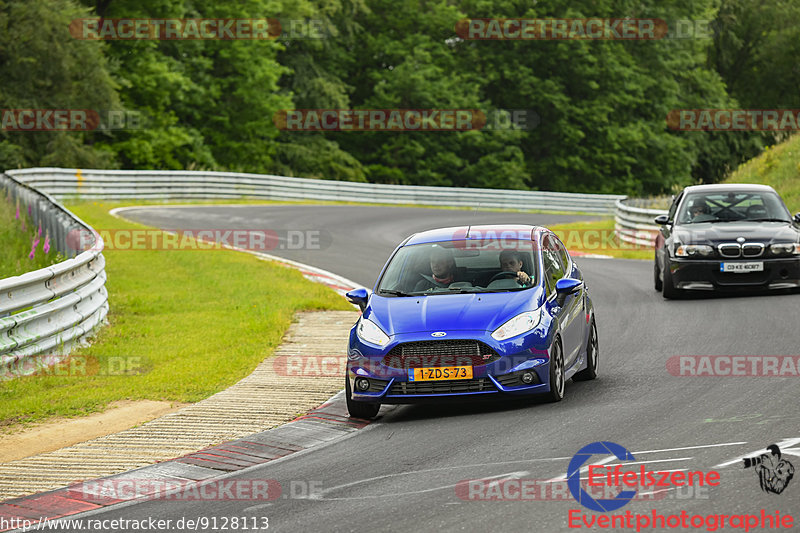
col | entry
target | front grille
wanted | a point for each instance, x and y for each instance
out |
(442, 387)
(752, 249)
(426, 354)
(729, 250)
(739, 278)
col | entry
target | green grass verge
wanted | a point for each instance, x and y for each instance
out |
(17, 236)
(779, 167)
(598, 237)
(197, 320)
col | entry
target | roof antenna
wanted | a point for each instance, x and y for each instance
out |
(474, 214)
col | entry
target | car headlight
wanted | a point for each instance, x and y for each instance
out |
(369, 331)
(785, 248)
(693, 250)
(518, 325)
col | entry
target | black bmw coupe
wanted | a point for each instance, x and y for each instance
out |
(727, 237)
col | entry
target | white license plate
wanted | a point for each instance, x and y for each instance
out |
(740, 268)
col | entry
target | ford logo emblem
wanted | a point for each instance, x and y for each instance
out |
(438, 334)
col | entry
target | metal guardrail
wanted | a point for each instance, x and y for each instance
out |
(48, 311)
(635, 225)
(173, 185)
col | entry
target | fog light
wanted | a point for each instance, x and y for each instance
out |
(362, 384)
(527, 378)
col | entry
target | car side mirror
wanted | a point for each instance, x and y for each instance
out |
(797, 217)
(358, 297)
(662, 220)
(565, 287)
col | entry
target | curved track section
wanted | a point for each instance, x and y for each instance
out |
(403, 471)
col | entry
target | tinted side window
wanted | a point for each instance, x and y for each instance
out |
(562, 254)
(674, 207)
(553, 268)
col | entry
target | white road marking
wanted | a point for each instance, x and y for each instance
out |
(498, 478)
(585, 468)
(653, 461)
(791, 451)
(787, 443)
(691, 447)
(656, 491)
(256, 507)
(425, 471)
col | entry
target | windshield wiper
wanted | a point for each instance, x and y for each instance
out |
(394, 293)
(767, 220)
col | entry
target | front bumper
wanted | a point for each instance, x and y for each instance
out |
(705, 274)
(498, 378)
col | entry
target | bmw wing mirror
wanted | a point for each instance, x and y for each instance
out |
(358, 297)
(797, 217)
(662, 220)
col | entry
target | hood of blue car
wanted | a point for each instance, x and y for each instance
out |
(449, 312)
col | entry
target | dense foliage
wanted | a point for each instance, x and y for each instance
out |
(596, 109)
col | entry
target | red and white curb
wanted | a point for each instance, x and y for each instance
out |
(327, 423)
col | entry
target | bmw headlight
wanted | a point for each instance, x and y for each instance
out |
(518, 325)
(693, 250)
(369, 331)
(785, 248)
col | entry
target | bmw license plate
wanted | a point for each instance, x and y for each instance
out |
(740, 268)
(439, 373)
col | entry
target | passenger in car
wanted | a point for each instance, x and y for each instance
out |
(511, 261)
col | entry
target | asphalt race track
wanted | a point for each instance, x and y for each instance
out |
(400, 473)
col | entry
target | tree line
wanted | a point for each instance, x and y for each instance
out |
(563, 114)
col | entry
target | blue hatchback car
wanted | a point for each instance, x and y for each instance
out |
(471, 312)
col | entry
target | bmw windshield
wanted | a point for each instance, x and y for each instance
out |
(732, 207)
(460, 267)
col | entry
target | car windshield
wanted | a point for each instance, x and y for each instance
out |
(460, 267)
(732, 207)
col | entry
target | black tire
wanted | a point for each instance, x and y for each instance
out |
(657, 277)
(363, 410)
(668, 289)
(592, 352)
(557, 381)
